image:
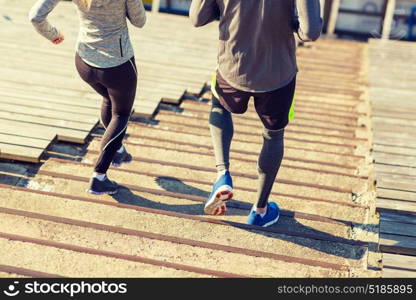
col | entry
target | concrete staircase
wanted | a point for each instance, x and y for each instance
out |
(155, 225)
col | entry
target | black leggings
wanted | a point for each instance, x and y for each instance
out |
(117, 85)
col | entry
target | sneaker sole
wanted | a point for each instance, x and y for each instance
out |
(222, 195)
(101, 193)
(119, 165)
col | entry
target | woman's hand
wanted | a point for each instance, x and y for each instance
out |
(59, 40)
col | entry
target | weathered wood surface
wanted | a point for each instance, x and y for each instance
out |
(155, 225)
(40, 86)
(392, 91)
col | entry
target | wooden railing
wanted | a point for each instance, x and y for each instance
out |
(333, 9)
(155, 6)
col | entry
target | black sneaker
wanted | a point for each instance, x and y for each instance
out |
(121, 158)
(98, 187)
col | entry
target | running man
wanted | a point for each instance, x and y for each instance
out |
(105, 60)
(256, 59)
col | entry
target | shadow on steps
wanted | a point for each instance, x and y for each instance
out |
(287, 228)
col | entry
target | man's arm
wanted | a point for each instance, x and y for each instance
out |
(136, 13)
(203, 12)
(310, 21)
(38, 15)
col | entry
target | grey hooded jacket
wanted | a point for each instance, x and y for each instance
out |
(257, 50)
(103, 39)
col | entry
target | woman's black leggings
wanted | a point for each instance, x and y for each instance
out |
(117, 85)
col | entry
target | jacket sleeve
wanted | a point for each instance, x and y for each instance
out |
(38, 15)
(203, 12)
(310, 21)
(136, 13)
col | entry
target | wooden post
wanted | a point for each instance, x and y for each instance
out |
(388, 19)
(332, 22)
(322, 8)
(155, 6)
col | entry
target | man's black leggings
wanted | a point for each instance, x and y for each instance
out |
(117, 85)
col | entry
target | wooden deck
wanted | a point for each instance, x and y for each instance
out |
(392, 92)
(41, 90)
(155, 225)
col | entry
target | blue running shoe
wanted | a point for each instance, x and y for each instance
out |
(222, 191)
(271, 216)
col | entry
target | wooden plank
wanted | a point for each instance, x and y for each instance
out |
(397, 217)
(395, 205)
(23, 141)
(146, 102)
(399, 262)
(171, 100)
(33, 103)
(151, 73)
(396, 194)
(26, 130)
(394, 159)
(400, 244)
(51, 98)
(399, 170)
(387, 124)
(41, 131)
(397, 273)
(74, 102)
(396, 228)
(42, 89)
(399, 266)
(396, 182)
(44, 117)
(21, 153)
(398, 139)
(145, 112)
(391, 121)
(393, 149)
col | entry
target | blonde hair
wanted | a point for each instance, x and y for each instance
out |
(86, 3)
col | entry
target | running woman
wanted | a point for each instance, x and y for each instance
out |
(105, 60)
(256, 59)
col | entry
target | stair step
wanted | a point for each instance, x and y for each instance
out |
(247, 122)
(141, 130)
(241, 180)
(301, 109)
(196, 145)
(209, 256)
(197, 190)
(197, 120)
(192, 125)
(15, 272)
(314, 176)
(78, 261)
(304, 124)
(341, 120)
(183, 226)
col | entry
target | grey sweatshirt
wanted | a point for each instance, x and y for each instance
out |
(103, 39)
(256, 41)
